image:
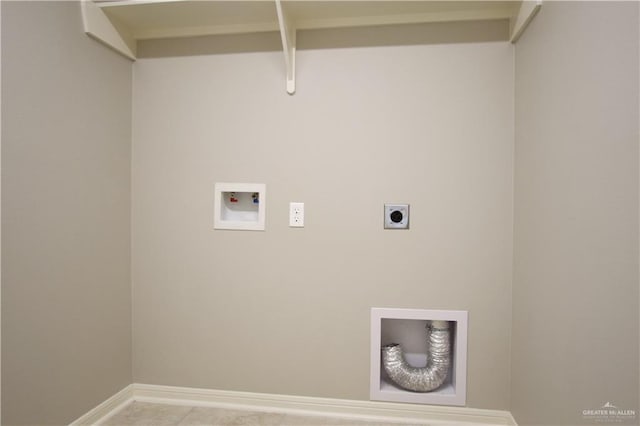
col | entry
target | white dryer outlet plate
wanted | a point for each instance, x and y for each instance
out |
(396, 216)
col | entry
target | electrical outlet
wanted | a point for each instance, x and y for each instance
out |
(396, 216)
(296, 215)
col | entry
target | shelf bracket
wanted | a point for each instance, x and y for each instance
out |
(527, 11)
(288, 34)
(99, 27)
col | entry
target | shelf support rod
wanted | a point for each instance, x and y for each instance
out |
(288, 34)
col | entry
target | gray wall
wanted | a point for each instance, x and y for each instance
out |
(575, 294)
(66, 123)
(287, 310)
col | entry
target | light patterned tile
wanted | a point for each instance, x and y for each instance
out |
(296, 420)
(147, 414)
(205, 416)
(291, 420)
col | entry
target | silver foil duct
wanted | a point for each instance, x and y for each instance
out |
(427, 378)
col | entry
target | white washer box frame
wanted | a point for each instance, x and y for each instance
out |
(222, 187)
(456, 393)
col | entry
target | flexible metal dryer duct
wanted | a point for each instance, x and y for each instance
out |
(427, 378)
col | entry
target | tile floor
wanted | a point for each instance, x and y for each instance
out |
(148, 414)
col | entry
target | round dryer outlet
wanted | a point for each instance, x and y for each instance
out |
(396, 216)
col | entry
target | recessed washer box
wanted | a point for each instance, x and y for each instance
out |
(408, 328)
(240, 206)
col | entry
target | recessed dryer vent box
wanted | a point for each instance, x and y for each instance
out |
(408, 328)
(240, 206)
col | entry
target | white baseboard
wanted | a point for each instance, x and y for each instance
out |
(106, 408)
(300, 405)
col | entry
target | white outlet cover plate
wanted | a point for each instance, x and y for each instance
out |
(396, 216)
(296, 215)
